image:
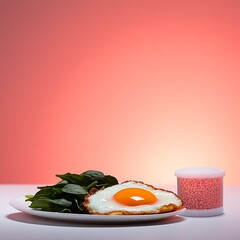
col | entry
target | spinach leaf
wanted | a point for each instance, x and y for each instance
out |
(95, 175)
(74, 178)
(54, 205)
(74, 189)
(68, 194)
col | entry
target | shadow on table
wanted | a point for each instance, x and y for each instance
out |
(30, 219)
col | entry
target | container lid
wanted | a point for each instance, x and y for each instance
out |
(199, 172)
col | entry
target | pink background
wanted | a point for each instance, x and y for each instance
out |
(135, 88)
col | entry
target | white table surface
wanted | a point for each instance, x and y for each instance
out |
(15, 225)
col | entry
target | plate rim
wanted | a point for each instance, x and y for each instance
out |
(21, 205)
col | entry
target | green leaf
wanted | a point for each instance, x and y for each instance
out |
(95, 175)
(43, 192)
(46, 203)
(110, 180)
(62, 202)
(62, 182)
(74, 178)
(74, 189)
(58, 185)
(40, 204)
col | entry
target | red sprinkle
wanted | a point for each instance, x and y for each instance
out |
(201, 193)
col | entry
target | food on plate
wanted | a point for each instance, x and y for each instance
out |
(131, 197)
(68, 194)
(93, 192)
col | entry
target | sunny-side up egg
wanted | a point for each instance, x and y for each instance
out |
(131, 197)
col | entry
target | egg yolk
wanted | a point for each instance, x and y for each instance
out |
(134, 197)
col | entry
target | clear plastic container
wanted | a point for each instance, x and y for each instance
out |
(201, 190)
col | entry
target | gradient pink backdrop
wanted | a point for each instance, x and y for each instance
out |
(135, 88)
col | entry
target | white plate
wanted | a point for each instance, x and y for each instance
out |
(23, 206)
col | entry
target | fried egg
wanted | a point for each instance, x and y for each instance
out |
(131, 197)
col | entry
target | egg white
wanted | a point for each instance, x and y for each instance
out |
(102, 201)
